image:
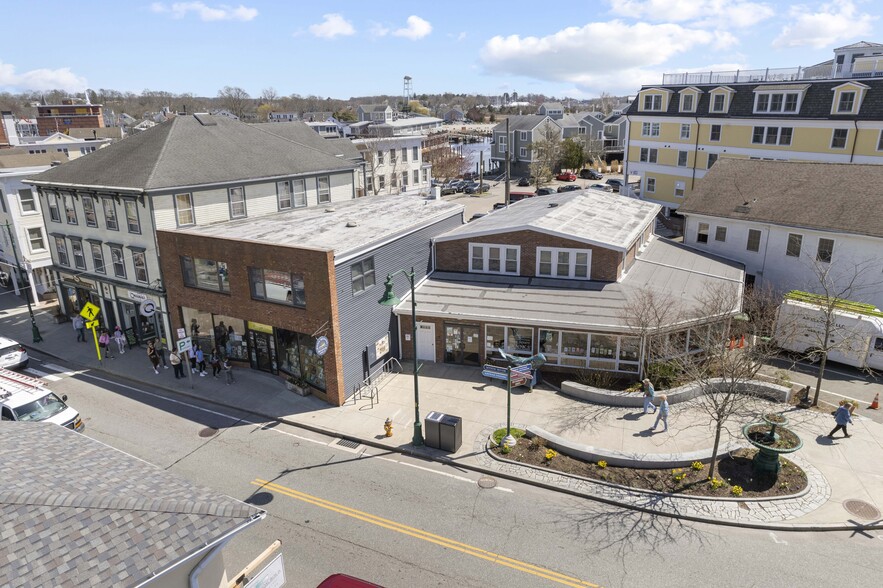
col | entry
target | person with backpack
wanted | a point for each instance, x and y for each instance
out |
(215, 360)
(177, 365)
(200, 361)
(80, 328)
(120, 339)
(152, 355)
(104, 343)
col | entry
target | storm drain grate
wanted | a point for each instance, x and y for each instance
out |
(486, 482)
(861, 509)
(208, 432)
(347, 443)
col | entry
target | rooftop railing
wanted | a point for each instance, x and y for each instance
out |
(866, 69)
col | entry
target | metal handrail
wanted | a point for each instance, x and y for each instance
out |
(390, 366)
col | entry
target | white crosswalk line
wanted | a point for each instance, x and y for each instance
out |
(62, 370)
(44, 375)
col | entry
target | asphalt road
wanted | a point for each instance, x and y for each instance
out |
(404, 522)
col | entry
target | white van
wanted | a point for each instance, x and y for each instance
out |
(23, 398)
(856, 336)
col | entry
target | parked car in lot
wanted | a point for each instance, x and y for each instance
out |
(615, 184)
(544, 191)
(524, 181)
(566, 177)
(12, 354)
(589, 174)
(569, 188)
(448, 189)
(476, 188)
(461, 185)
(604, 187)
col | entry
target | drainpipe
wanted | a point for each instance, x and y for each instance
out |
(625, 153)
(854, 139)
(695, 155)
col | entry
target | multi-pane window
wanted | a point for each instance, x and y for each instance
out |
(522, 152)
(404, 180)
(381, 182)
(277, 286)
(139, 261)
(712, 157)
(523, 136)
(425, 175)
(26, 198)
(651, 185)
(97, 257)
(324, 184)
(237, 202)
(785, 134)
(61, 250)
(415, 153)
(776, 102)
(825, 251)
(299, 190)
(362, 275)
(753, 240)
(720, 234)
(772, 135)
(846, 102)
(838, 139)
(132, 221)
(70, 212)
(494, 259)
(89, 211)
(110, 214)
(393, 180)
(702, 233)
(794, 243)
(369, 184)
(54, 213)
(404, 154)
(417, 176)
(392, 156)
(379, 157)
(118, 261)
(718, 103)
(184, 209)
(685, 130)
(653, 102)
(680, 189)
(649, 129)
(35, 239)
(564, 263)
(207, 274)
(715, 134)
(283, 195)
(648, 155)
(687, 102)
(77, 252)
(682, 158)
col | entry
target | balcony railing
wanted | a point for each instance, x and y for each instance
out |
(860, 69)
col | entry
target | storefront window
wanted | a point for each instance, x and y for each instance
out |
(289, 352)
(199, 327)
(549, 345)
(312, 366)
(229, 335)
(573, 345)
(494, 337)
(519, 340)
(603, 352)
(629, 353)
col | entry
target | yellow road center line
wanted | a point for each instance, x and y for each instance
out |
(427, 536)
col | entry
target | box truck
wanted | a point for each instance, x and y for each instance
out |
(856, 332)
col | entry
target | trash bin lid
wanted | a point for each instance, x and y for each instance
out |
(435, 416)
(449, 419)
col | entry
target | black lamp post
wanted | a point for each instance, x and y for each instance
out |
(35, 331)
(390, 299)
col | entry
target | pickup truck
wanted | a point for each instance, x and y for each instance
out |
(26, 399)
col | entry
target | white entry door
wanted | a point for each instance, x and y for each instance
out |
(426, 341)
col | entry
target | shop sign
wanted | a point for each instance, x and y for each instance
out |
(185, 344)
(381, 348)
(147, 308)
(137, 296)
(260, 327)
(182, 333)
(321, 346)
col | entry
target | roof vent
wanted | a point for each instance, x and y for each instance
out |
(329, 209)
(352, 224)
(742, 208)
(553, 205)
(205, 119)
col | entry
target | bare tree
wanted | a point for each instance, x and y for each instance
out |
(647, 313)
(234, 99)
(545, 152)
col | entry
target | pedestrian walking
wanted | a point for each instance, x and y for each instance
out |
(842, 418)
(663, 413)
(151, 354)
(200, 361)
(191, 354)
(104, 343)
(649, 393)
(80, 328)
(228, 371)
(120, 339)
(215, 360)
(161, 352)
(175, 360)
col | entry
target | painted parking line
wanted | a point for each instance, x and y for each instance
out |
(445, 474)
(465, 548)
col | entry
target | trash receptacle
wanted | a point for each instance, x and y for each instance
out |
(431, 429)
(450, 433)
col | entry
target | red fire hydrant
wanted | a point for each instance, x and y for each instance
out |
(387, 426)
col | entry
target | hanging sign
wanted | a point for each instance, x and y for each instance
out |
(321, 346)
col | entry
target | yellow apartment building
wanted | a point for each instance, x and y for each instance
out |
(828, 112)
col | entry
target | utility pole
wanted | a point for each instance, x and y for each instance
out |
(35, 330)
(507, 161)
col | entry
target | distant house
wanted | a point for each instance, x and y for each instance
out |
(70, 113)
(615, 133)
(316, 116)
(26, 127)
(282, 116)
(554, 110)
(453, 115)
(377, 113)
(394, 164)
(523, 131)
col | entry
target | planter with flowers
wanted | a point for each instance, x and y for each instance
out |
(297, 385)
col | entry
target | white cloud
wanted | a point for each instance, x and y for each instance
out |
(831, 24)
(204, 12)
(732, 13)
(595, 54)
(41, 79)
(417, 29)
(378, 30)
(333, 26)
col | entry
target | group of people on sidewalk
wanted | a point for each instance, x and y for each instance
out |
(662, 409)
(196, 356)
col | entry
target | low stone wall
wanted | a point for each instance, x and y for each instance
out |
(675, 395)
(624, 459)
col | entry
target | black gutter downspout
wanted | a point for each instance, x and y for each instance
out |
(695, 155)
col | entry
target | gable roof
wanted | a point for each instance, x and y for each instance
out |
(552, 106)
(104, 517)
(195, 150)
(374, 107)
(525, 122)
(841, 197)
(590, 216)
(861, 45)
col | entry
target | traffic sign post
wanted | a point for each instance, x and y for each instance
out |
(184, 345)
(90, 311)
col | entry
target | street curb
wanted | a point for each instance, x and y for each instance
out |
(487, 471)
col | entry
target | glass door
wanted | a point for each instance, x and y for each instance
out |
(462, 344)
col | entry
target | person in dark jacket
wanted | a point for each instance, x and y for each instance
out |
(842, 418)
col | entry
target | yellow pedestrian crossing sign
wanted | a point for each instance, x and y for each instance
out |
(91, 324)
(90, 311)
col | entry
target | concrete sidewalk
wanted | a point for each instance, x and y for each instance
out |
(840, 471)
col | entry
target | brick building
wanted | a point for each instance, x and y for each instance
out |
(70, 114)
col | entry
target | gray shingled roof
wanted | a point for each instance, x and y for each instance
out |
(827, 196)
(186, 152)
(524, 122)
(76, 511)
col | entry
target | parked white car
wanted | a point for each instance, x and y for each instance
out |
(12, 354)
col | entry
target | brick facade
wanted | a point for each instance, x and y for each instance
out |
(316, 267)
(59, 118)
(453, 256)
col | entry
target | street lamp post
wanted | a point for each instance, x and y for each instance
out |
(390, 299)
(35, 331)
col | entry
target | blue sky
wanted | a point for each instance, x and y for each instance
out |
(356, 48)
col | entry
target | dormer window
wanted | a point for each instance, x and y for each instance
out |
(687, 101)
(846, 102)
(718, 102)
(652, 102)
(786, 102)
(848, 98)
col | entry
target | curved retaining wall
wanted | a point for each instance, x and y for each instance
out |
(674, 395)
(624, 459)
